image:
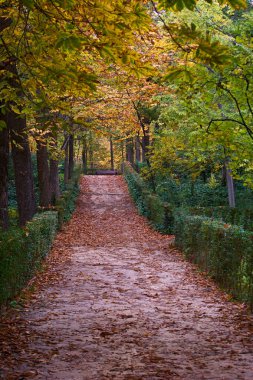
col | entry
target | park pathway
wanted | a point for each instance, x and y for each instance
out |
(117, 301)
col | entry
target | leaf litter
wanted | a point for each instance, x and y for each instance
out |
(116, 300)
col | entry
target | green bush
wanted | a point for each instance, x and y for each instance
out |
(65, 205)
(159, 214)
(183, 191)
(217, 238)
(223, 250)
(40, 234)
(22, 250)
(239, 216)
(190, 193)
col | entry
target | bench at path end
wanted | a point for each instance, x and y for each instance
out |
(106, 172)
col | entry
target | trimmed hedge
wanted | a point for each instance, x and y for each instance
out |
(22, 250)
(224, 251)
(65, 205)
(238, 216)
(159, 214)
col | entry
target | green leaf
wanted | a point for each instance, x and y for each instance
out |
(193, 27)
(173, 75)
(68, 42)
(28, 3)
(105, 51)
(235, 3)
(124, 58)
(2, 125)
(190, 4)
(15, 109)
(188, 76)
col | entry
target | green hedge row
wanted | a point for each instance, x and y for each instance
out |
(65, 205)
(159, 214)
(238, 216)
(22, 250)
(225, 251)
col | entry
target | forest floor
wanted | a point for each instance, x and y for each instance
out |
(117, 301)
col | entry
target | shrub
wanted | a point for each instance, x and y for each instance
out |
(217, 238)
(238, 216)
(136, 187)
(21, 252)
(224, 251)
(40, 233)
(189, 193)
(65, 205)
(159, 214)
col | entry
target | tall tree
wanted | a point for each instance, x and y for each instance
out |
(4, 156)
(130, 150)
(71, 156)
(111, 153)
(22, 162)
(43, 173)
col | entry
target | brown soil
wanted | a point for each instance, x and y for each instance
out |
(117, 301)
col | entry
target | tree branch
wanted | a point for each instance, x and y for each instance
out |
(248, 129)
(246, 93)
(168, 29)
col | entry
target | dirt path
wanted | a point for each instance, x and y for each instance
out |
(121, 305)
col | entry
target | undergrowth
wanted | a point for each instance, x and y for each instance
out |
(23, 249)
(218, 239)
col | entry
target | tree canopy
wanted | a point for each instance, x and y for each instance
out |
(173, 76)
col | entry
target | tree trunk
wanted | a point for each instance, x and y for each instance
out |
(111, 153)
(54, 181)
(137, 149)
(71, 156)
(43, 174)
(130, 150)
(66, 164)
(21, 154)
(4, 157)
(22, 162)
(78, 150)
(122, 151)
(4, 153)
(85, 157)
(224, 176)
(145, 145)
(91, 158)
(230, 187)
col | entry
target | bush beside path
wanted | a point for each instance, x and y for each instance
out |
(117, 301)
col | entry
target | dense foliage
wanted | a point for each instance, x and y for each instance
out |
(219, 239)
(168, 83)
(65, 204)
(222, 250)
(159, 213)
(22, 250)
(205, 120)
(242, 217)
